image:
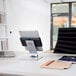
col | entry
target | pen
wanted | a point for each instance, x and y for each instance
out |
(50, 62)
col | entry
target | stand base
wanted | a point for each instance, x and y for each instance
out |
(35, 58)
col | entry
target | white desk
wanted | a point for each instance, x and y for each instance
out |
(22, 67)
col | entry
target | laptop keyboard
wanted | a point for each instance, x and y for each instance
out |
(68, 58)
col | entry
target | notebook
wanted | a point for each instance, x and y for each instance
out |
(56, 64)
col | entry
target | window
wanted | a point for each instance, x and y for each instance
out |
(62, 15)
(57, 8)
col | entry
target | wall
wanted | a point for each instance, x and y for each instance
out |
(27, 15)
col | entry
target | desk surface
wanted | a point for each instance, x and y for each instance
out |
(23, 67)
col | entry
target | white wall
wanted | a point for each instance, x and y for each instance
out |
(54, 1)
(28, 15)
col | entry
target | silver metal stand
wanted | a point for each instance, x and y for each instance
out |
(32, 50)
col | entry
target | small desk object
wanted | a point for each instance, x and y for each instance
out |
(7, 54)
